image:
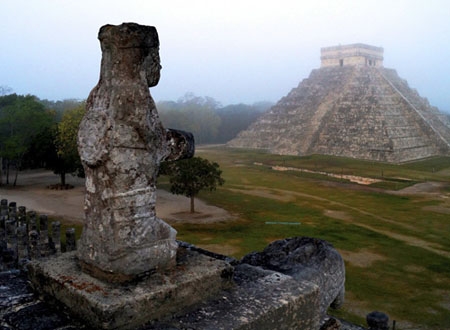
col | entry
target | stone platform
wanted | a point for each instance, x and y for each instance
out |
(21, 310)
(260, 300)
(195, 279)
(204, 291)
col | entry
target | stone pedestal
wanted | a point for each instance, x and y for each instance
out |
(260, 300)
(202, 292)
(103, 305)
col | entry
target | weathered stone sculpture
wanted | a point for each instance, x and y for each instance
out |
(377, 321)
(121, 142)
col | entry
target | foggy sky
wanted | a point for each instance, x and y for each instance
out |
(233, 51)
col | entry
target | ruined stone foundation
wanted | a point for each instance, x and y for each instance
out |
(289, 285)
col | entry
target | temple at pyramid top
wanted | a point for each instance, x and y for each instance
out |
(351, 55)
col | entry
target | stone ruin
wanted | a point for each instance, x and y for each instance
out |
(121, 144)
(353, 107)
(26, 236)
(129, 271)
(283, 262)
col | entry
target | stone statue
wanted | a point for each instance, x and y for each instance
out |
(121, 142)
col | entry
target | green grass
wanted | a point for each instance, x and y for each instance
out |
(395, 246)
(409, 279)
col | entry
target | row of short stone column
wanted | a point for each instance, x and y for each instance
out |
(25, 236)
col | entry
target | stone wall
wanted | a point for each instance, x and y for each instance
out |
(26, 236)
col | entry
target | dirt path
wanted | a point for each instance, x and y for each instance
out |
(33, 193)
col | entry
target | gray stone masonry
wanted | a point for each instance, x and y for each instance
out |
(205, 290)
(355, 111)
(105, 305)
(21, 239)
(261, 300)
(377, 321)
(306, 259)
(21, 309)
(121, 142)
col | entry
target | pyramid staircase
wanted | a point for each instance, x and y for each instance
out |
(353, 111)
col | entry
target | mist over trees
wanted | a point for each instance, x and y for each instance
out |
(38, 133)
(60, 107)
(207, 119)
(193, 114)
(237, 117)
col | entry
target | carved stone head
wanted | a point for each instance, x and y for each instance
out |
(135, 50)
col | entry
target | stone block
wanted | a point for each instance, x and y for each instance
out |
(194, 279)
(260, 300)
(306, 259)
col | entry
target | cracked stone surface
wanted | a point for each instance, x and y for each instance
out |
(121, 142)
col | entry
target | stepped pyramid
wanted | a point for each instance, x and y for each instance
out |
(354, 107)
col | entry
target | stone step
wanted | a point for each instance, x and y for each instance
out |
(351, 111)
(106, 305)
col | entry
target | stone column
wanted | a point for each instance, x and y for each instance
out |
(4, 207)
(121, 142)
(56, 235)
(32, 221)
(2, 234)
(71, 244)
(22, 242)
(22, 215)
(11, 236)
(43, 235)
(8, 225)
(33, 239)
(13, 209)
(377, 321)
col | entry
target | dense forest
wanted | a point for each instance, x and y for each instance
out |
(37, 133)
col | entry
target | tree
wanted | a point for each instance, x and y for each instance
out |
(68, 159)
(189, 176)
(42, 151)
(5, 90)
(60, 107)
(237, 117)
(193, 114)
(22, 118)
(207, 119)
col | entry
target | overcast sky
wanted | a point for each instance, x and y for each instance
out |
(234, 51)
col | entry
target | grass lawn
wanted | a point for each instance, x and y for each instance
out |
(395, 245)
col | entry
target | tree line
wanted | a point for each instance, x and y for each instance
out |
(37, 133)
(207, 119)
